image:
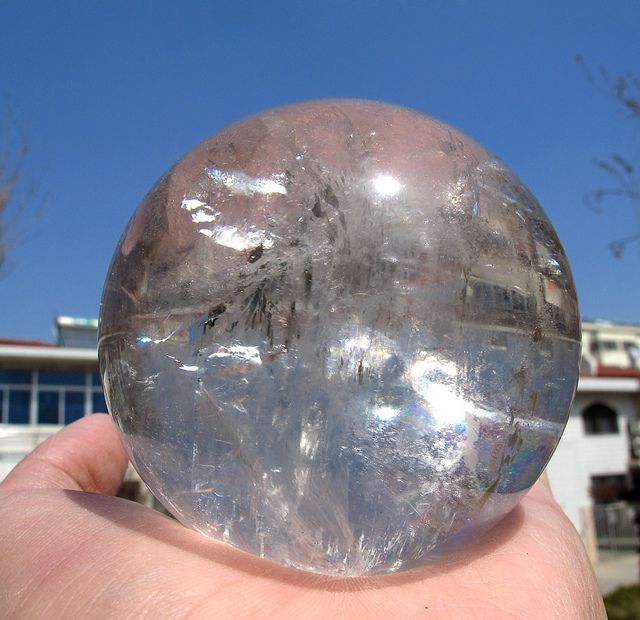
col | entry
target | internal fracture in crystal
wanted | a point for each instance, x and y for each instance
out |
(340, 335)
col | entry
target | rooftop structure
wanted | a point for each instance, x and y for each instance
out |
(76, 332)
(610, 349)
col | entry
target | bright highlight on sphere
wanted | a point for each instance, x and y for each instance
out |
(386, 186)
(340, 335)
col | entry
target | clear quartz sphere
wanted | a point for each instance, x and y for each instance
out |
(340, 335)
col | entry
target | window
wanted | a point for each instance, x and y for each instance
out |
(61, 377)
(99, 404)
(607, 489)
(73, 406)
(16, 377)
(19, 403)
(48, 396)
(604, 345)
(48, 407)
(519, 302)
(599, 419)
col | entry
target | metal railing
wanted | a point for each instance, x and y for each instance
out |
(616, 527)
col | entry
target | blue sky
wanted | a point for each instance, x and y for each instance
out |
(113, 93)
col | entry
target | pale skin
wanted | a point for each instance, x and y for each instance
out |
(69, 549)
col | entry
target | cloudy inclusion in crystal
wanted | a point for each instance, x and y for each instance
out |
(340, 335)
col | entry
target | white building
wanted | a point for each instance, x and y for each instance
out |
(593, 463)
(44, 386)
(595, 449)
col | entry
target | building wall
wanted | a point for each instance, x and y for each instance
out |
(16, 441)
(580, 456)
(43, 388)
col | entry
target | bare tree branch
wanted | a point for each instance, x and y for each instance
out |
(17, 192)
(624, 91)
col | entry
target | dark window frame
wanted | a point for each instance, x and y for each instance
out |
(600, 419)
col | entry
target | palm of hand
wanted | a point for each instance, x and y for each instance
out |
(69, 549)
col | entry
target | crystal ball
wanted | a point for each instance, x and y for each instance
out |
(341, 336)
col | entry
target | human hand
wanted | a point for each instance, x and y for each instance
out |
(69, 549)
